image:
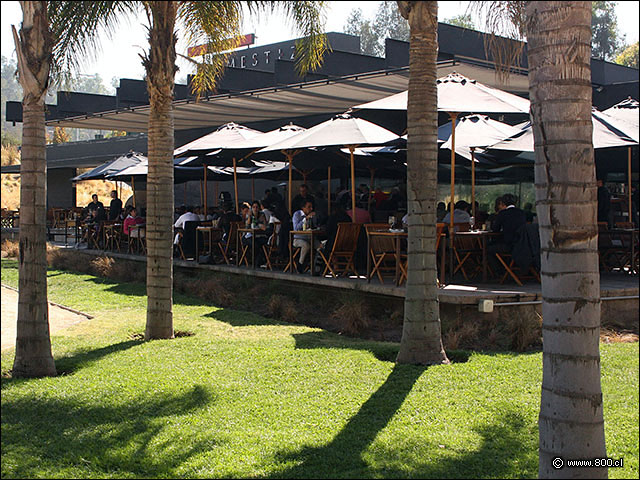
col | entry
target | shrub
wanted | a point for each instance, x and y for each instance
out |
(352, 317)
(103, 266)
(282, 308)
(10, 248)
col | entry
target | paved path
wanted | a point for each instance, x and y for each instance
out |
(59, 318)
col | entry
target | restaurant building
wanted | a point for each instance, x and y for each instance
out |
(261, 89)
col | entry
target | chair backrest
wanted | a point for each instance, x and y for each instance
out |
(231, 237)
(628, 225)
(379, 243)
(461, 227)
(439, 233)
(346, 237)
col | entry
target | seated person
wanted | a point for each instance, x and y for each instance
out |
(529, 213)
(441, 212)
(481, 215)
(94, 223)
(94, 205)
(188, 216)
(133, 219)
(262, 230)
(302, 219)
(460, 214)
(508, 221)
(302, 197)
(362, 215)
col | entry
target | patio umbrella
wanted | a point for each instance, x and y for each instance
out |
(341, 131)
(624, 117)
(206, 150)
(473, 131)
(456, 94)
(112, 166)
(247, 148)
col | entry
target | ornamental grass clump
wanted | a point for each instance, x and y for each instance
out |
(352, 317)
(282, 308)
(10, 248)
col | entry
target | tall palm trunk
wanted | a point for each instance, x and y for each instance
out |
(161, 68)
(33, 356)
(571, 423)
(421, 334)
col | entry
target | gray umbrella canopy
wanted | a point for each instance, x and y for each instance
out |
(475, 131)
(603, 137)
(624, 117)
(341, 131)
(457, 93)
(226, 136)
(103, 171)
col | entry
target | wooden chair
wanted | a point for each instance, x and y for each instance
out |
(512, 270)
(341, 258)
(112, 236)
(227, 248)
(270, 250)
(467, 251)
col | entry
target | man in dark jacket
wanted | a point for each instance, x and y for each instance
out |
(604, 202)
(508, 221)
(115, 207)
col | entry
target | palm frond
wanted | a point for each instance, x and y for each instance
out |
(503, 19)
(75, 27)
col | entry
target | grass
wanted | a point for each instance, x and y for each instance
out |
(247, 396)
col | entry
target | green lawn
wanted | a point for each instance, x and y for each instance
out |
(246, 396)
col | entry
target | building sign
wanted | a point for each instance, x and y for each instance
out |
(198, 50)
(263, 58)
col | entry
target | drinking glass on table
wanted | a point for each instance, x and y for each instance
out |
(391, 221)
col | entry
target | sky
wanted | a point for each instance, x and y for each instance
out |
(119, 56)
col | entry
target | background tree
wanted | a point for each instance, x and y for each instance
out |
(571, 421)
(421, 331)
(463, 20)
(60, 135)
(387, 23)
(605, 37)
(629, 56)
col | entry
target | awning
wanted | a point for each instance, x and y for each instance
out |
(285, 102)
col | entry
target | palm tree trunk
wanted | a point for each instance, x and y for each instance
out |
(161, 68)
(421, 334)
(33, 356)
(571, 424)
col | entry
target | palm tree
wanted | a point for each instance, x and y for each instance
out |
(421, 332)
(218, 23)
(571, 421)
(49, 37)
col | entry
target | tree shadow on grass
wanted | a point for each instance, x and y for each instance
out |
(103, 438)
(80, 358)
(508, 447)
(243, 318)
(383, 351)
(343, 456)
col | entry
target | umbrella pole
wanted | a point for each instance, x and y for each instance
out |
(290, 159)
(473, 183)
(184, 196)
(200, 192)
(372, 171)
(133, 187)
(629, 191)
(253, 189)
(205, 191)
(452, 116)
(329, 190)
(216, 192)
(353, 186)
(235, 185)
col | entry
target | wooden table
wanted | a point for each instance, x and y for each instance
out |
(396, 236)
(210, 231)
(312, 234)
(74, 224)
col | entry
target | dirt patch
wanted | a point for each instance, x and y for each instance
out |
(59, 318)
